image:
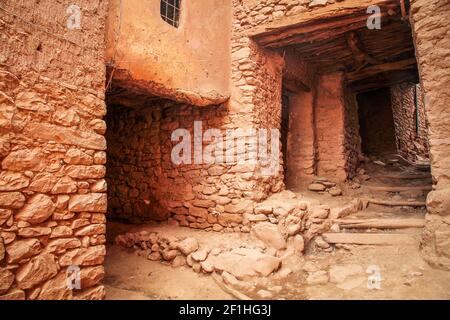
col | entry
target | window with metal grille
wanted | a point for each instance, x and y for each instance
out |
(170, 12)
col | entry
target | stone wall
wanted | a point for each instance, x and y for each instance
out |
(301, 157)
(256, 12)
(329, 122)
(52, 150)
(410, 128)
(430, 29)
(145, 184)
(352, 144)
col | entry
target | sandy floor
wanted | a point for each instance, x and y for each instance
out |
(130, 277)
(404, 275)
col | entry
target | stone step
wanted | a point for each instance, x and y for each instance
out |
(385, 188)
(400, 203)
(384, 239)
(382, 223)
(404, 176)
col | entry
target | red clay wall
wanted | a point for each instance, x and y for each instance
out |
(431, 28)
(336, 128)
(52, 150)
(301, 157)
(410, 130)
(189, 64)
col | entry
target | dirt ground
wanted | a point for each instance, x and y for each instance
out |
(130, 277)
(133, 277)
(404, 275)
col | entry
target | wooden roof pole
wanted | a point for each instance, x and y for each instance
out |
(405, 16)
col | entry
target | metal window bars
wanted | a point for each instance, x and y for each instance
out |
(170, 12)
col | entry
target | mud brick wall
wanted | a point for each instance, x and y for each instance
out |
(330, 132)
(412, 141)
(52, 150)
(430, 29)
(301, 161)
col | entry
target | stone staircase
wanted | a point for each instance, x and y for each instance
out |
(392, 211)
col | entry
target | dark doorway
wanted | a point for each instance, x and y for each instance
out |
(376, 122)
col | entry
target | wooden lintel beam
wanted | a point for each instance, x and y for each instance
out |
(385, 81)
(373, 71)
(359, 53)
(320, 23)
(295, 86)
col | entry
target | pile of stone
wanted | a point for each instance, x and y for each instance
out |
(291, 222)
(323, 185)
(280, 227)
(158, 248)
(243, 263)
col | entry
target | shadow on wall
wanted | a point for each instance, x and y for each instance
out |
(143, 182)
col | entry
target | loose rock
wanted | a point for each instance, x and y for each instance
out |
(188, 246)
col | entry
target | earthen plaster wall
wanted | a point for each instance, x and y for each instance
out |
(330, 114)
(52, 150)
(301, 157)
(189, 64)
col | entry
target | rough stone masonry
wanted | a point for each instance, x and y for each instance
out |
(52, 150)
(431, 37)
(53, 197)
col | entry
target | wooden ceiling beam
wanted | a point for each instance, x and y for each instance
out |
(373, 71)
(295, 86)
(322, 23)
(384, 80)
(361, 57)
